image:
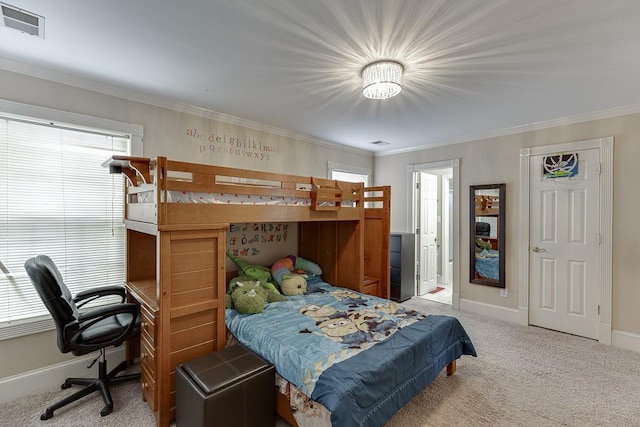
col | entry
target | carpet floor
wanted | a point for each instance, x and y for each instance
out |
(523, 376)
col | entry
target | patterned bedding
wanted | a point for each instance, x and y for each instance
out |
(487, 264)
(359, 356)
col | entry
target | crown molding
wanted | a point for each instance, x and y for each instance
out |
(562, 121)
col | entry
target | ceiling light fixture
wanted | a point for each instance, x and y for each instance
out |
(382, 79)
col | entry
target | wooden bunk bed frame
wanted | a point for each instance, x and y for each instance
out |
(176, 253)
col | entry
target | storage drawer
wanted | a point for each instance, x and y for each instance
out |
(395, 275)
(148, 323)
(395, 259)
(148, 385)
(395, 292)
(395, 243)
(148, 355)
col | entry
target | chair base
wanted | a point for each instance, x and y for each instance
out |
(100, 384)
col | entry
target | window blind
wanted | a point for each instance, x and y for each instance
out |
(57, 200)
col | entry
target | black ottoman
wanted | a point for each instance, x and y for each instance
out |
(231, 387)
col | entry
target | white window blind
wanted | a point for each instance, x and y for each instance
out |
(57, 200)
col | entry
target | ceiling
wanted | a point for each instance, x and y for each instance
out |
(472, 68)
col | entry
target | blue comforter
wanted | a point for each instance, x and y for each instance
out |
(360, 356)
(487, 264)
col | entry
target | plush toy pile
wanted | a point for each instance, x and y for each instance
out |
(257, 285)
(252, 289)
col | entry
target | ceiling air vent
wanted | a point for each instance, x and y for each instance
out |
(21, 20)
(380, 143)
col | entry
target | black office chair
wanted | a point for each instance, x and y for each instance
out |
(483, 228)
(84, 332)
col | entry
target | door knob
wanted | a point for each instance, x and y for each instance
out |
(537, 249)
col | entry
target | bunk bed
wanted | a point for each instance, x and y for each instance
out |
(177, 215)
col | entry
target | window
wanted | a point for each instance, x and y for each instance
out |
(57, 200)
(349, 173)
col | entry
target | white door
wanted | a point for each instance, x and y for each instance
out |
(428, 190)
(564, 256)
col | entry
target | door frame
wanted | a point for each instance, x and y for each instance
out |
(454, 164)
(605, 146)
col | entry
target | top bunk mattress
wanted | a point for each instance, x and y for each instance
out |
(231, 199)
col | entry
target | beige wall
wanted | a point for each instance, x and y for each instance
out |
(496, 160)
(166, 133)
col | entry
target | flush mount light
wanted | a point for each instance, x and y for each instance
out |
(382, 79)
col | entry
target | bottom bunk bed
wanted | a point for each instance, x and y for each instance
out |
(349, 359)
(488, 264)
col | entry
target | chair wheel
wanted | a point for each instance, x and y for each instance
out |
(47, 414)
(106, 410)
(65, 386)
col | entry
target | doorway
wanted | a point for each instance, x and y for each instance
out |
(566, 253)
(434, 218)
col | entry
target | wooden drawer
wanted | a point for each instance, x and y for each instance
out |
(148, 323)
(148, 385)
(148, 356)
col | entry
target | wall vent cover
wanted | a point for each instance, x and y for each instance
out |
(21, 20)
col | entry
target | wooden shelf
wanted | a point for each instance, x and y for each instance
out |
(130, 167)
(144, 290)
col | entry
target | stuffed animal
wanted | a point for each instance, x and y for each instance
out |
(256, 272)
(248, 297)
(270, 292)
(290, 274)
(295, 284)
(481, 245)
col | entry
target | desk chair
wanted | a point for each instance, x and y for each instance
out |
(483, 228)
(93, 329)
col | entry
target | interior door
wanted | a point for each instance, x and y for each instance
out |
(428, 195)
(564, 257)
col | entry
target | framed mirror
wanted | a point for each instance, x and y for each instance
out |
(487, 223)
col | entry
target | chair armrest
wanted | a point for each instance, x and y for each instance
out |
(105, 311)
(89, 318)
(89, 295)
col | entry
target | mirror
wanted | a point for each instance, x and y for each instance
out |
(487, 223)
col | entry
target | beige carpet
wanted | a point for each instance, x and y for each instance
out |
(523, 376)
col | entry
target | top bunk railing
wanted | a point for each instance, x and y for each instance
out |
(378, 197)
(486, 205)
(162, 191)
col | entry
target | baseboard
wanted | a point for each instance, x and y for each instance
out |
(42, 379)
(627, 340)
(490, 310)
(615, 338)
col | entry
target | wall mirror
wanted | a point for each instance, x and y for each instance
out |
(487, 223)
